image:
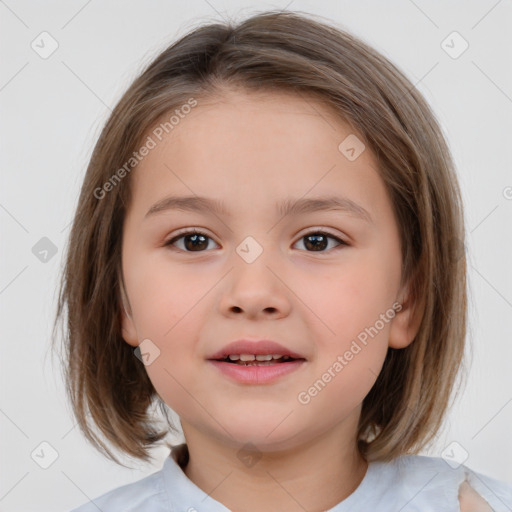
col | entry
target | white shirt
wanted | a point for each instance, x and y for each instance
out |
(410, 483)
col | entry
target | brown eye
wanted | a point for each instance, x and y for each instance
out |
(318, 241)
(193, 241)
(196, 241)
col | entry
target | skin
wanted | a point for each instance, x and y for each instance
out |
(252, 151)
(471, 501)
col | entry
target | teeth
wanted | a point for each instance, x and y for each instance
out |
(264, 358)
(259, 357)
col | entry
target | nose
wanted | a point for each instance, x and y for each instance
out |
(255, 290)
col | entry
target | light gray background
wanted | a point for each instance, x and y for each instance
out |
(51, 113)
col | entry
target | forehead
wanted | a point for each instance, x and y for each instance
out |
(253, 149)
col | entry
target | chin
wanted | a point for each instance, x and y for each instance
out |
(267, 434)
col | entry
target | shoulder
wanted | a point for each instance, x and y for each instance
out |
(146, 494)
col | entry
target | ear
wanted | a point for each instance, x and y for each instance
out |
(129, 331)
(406, 323)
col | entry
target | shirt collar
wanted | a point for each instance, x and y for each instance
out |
(184, 494)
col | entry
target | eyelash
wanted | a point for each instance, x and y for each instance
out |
(183, 234)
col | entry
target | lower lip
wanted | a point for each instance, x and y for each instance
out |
(253, 374)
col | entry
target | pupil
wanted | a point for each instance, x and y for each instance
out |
(195, 238)
(315, 245)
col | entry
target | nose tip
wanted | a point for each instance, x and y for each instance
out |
(255, 290)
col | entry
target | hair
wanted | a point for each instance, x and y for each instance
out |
(291, 52)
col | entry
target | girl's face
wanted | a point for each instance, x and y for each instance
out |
(321, 282)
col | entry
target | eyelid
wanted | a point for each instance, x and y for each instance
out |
(326, 231)
(202, 231)
(340, 239)
(188, 231)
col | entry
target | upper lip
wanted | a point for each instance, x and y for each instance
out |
(259, 347)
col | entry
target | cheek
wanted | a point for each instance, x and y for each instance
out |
(354, 306)
(352, 297)
(171, 378)
(163, 295)
(166, 304)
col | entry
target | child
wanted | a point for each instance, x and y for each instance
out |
(311, 346)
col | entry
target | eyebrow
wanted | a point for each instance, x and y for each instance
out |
(287, 207)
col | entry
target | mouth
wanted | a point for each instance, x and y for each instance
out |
(258, 360)
(255, 352)
(261, 369)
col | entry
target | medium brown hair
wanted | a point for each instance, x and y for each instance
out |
(293, 53)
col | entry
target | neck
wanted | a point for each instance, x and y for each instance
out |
(314, 476)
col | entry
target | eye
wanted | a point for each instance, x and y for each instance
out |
(195, 241)
(318, 240)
